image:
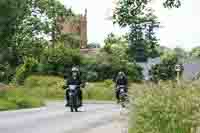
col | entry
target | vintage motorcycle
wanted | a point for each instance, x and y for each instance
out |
(74, 100)
(122, 95)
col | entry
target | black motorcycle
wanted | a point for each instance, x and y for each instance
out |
(122, 95)
(74, 100)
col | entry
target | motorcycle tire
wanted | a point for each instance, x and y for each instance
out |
(123, 105)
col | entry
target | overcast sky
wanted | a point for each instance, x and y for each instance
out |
(180, 26)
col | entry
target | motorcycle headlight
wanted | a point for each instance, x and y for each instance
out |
(121, 90)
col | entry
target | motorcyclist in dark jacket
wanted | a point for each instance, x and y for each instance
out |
(74, 80)
(120, 80)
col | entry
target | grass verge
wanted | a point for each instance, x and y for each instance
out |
(38, 88)
(18, 98)
(165, 108)
(50, 87)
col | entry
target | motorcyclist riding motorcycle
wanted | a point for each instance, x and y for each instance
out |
(75, 79)
(120, 80)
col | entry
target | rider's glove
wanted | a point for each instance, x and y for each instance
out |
(64, 87)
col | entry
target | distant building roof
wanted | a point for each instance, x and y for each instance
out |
(89, 51)
(191, 70)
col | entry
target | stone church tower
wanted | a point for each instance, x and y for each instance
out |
(83, 30)
(79, 27)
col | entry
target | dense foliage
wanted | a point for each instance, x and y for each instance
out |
(25, 28)
(195, 53)
(24, 70)
(56, 60)
(31, 40)
(106, 66)
(142, 23)
(25, 24)
(113, 58)
(166, 69)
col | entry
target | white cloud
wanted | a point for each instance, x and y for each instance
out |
(181, 26)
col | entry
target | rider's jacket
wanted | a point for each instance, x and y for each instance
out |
(72, 81)
(122, 81)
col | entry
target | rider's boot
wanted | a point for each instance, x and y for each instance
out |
(81, 98)
(67, 98)
(81, 103)
(67, 104)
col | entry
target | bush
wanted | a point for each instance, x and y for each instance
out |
(166, 108)
(92, 76)
(55, 59)
(6, 73)
(165, 70)
(24, 70)
(105, 66)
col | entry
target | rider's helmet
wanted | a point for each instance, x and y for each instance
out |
(121, 75)
(75, 72)
(75, 69)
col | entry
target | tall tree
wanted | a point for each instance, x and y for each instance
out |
(172, 3)
(142, 23)
(165, 70)
(181, 54)
(25, 24)
(195, 52)
(56, 14)
(12, 14)
(140, 18)
(112, 39)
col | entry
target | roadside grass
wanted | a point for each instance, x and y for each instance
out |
(39, 88)
(165, 108)
(99, 91)
(50, 87)
(7, 105)
(18, 98)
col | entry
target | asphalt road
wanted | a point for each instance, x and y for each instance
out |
(55, 118)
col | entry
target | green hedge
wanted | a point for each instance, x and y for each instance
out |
(24, 70)
(104, 66)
